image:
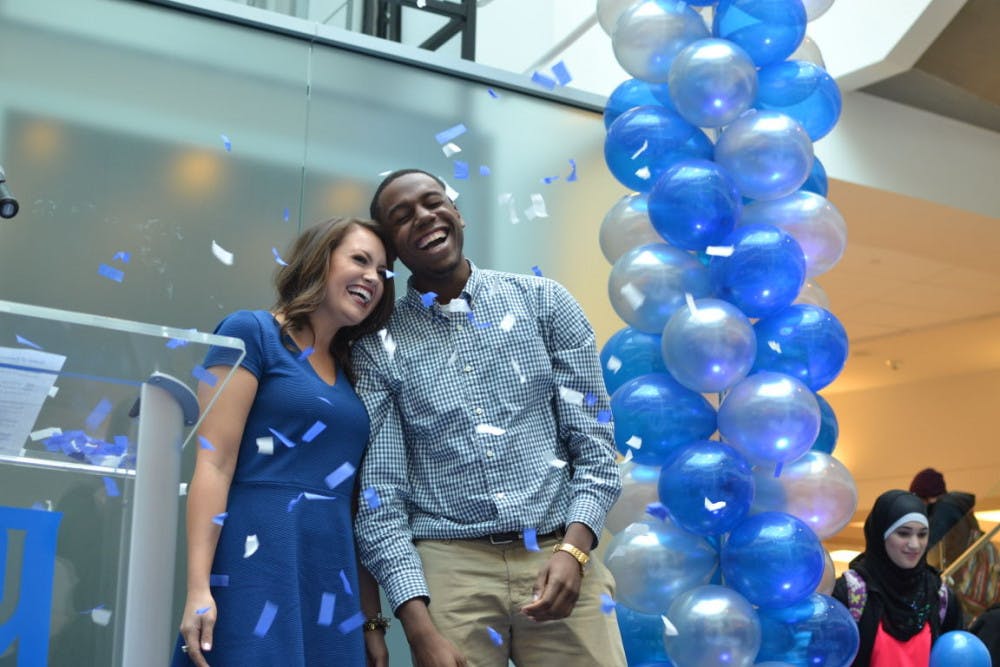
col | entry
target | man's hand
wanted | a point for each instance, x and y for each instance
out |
(429, 647)
(556, 589)
(376, 651)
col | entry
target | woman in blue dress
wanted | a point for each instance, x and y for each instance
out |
(273, 578)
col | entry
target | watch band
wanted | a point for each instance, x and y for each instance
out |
(376, 622)
(581, 558)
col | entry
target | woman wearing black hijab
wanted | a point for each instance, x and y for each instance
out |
(905, 606)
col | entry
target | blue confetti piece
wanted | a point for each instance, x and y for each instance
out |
(286, 214)
(495, 636)
(604, 416)
(340, 475)
(121, 442)
(294, 501)
(777, 470)
(494, 94)
(607, 604)
(306, 353)
(561, 73)
(220, 518)
(111, 488)
(371, 497)
(175, 343)
(543, 81)
(24, 341)
(352, 624)
(484, 170)
(98, 414)
(572, 172)
(589, 399)
(461, 170)
(537, 271)
(203, 375)
(531, 539)
(111, 273)
(549, 179)
(326, 606)
(281, 436)
(277, 257)
(226, 143)
(202, 611)
(657, 510)
(218, 580)
(313, 431)
(449, 134)
(346, 583)
(427, 299)
(124, 256)
(267, 615)
(205, 443)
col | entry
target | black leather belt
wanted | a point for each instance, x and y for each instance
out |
(516, 536)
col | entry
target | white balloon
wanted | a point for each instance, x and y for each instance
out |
(813, 295)
(809, 52)
(815, 8)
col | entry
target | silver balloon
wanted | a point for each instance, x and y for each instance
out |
(625, 226)
(655, 561)
(816, 8)
(648, 283)
(768, 154)
(650, 33)
(829, 575)
(712, 82)
(811, 220)
(710, 348)
(639, 490)
(808, 51)
(816, 488)
(710, 626)
(608, 12)
(813, 295)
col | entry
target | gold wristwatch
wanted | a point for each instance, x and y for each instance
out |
(581, 558)
(376, 622)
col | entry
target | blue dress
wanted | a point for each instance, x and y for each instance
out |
(294, 602)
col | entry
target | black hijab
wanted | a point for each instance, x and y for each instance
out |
(910, 596)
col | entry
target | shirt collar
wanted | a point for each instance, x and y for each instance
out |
(472, 288)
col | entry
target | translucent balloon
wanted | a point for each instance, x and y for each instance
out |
(642, 636)
(628, 354)
(829, 579)
(816, 8)
(625, 226)
(644, 142)
(816, 488)
(814, 295)
(707, 487)
(814, 222)
(656, 561)
(803, 341)
(769, 417)
(650, 33)
(655, 416)
(809, 51)
(694, 204)
(712, 625)
(816, 631)
(817, 181)
(959, 648)
(639, 490)
(829, 428)
(608, 12)
(635, 93)
(710, 348)
(803, 91)
(767, 153)
(648, 283)
(712, 81)
(772, 559)
(764, 272)
(768, 30)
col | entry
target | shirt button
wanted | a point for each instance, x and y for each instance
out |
(478, 411)
(468, 368)
(489, 453)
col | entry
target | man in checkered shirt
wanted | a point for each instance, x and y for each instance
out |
(491, 463)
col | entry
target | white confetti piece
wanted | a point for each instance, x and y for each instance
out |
(614, 364)
(668, 628)
(53, 390)
(719, 250)
(642, 149)
(251, 546)
(558, 463)
(489, 429)
(627, 457)
(452, 193)
(633, 295)
(507, 323)
(388, 344)
(507, 199)
(538, 206)
(421, 4)
(689, 300)
(265, 445)
(774, 345)
(222, 254)
(571, 396)
(635, 442)
(100, 616)
(517, 369)
(714, 506)
(643, 173)
(41, 434)
(636, 529)
(183, 489)
(450, 149)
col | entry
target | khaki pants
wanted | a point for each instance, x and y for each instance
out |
(475, 585)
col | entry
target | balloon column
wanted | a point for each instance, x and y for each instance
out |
(729, 474)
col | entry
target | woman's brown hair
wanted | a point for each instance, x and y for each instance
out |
(301, 285)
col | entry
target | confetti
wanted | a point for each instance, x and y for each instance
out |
(774, 345)
(548, 180)
(111, 488)
(371, 497)
(421, 4)
(495, 636)
(589, 399)
(719, 250)
(449, 134)
(517, 369)
(537, 271)
(347, 584)
(24, 341)
(644, 173)
(558, 463)
(544, 81)
(507, 323)
(326, 606)
(218, 580)
(313, 431)
(203, 375)
(286, 214)
(692, 306)
(281, 436)
(484, 170)
(572, 173)
(561, 73)
(226, 143)
(98, 414)
(204, 443)
(538, 206)
(428, 299)
(627, 457)
(306, 353)
(202, 611)
(389, 275)
(250, 546)
(658, 510)
(100, 615)
(175, 343)
(607, 604)
(461, 169)
(182, 489)
(277, 257)
(507, 199)
(668, 627)
(714, 506)
(266, 618)
(111, 273)
(489, 429)
(265, 445)
(571, 396)
(494, 94)
(450, 149)
(633, 295)
(531, 539)
(452, 193)
(635, 442)
(222, 254)
(614, 364)
(642, 149)
(44, 433)
(339, 475)
(388, 344)
(220, 518)
(777, 470)
(122, 255)
(352, 624)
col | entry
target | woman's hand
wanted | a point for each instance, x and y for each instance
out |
(376, 649)
(197, 625)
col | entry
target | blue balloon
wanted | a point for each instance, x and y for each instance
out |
(768, 30)
(817, 181)
(707, 487)
(959, 648)
(829, 429)
(694, 204)
(712, 81)
(632, 93)
(655, 416)
(764, 273)
(628, 354)
(709, 348)
(803, 91)
(642, 636)
(816, 631)
(645, 141)
(767, 153)
(804, 341)
(773, 559)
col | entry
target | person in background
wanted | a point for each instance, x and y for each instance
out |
(273, 577)
(897, 599)
(952, 521)
(492, 454)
